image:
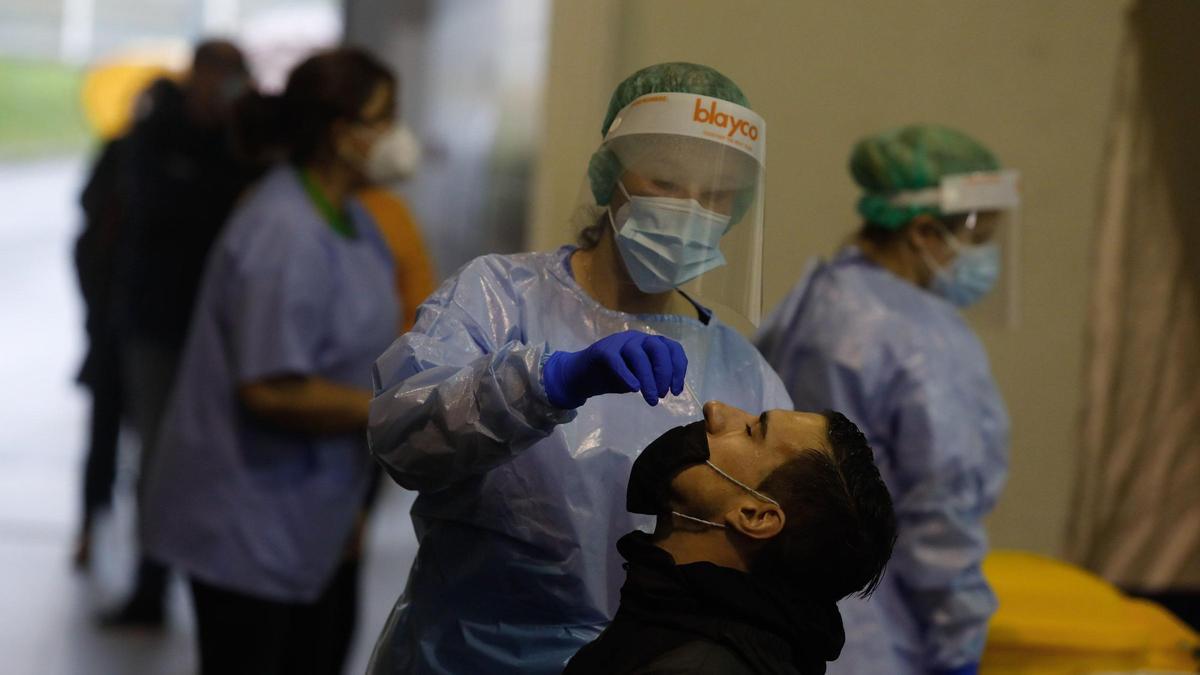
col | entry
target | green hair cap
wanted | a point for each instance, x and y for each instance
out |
(913, 157)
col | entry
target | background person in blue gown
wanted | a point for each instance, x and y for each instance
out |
(877, 334)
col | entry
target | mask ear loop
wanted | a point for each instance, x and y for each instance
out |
(612, 218)
(955, 244)
(694, 519)
(755, 493)
(936, 270)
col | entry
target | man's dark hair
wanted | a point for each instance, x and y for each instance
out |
(840, 526)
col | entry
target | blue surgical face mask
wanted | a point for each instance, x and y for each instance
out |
(970, 276)
(666, 242)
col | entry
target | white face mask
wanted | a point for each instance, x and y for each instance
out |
(394, 155)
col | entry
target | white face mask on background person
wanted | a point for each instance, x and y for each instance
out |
(666, 242)
(394, 155)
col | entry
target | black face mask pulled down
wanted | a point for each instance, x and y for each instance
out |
(650, 479)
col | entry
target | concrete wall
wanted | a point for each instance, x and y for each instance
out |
(1032, 79)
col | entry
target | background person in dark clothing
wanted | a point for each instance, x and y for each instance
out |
(180, 179)
(95, 249)
(764, 523)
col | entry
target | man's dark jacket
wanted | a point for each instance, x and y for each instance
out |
(702, 618)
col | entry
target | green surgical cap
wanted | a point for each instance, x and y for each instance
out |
(684, 78)
(914, 157)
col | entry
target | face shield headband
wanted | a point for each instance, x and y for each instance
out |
(967, 193)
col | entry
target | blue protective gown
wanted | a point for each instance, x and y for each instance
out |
(905, 367)
(236, 502)
(522, 503)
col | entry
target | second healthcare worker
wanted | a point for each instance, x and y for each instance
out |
(264, 473)
(503, 406)
(877, 334)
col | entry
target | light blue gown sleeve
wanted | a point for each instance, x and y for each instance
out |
(277, 302)
(461, 393)
(942, 495)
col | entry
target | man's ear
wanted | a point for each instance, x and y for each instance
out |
(756, 519)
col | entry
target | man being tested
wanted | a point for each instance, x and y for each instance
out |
(764, 523)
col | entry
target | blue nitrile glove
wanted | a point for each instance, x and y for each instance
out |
(617, 364)
(968, 669)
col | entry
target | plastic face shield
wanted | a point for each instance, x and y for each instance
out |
(690, 147)
(982, 208)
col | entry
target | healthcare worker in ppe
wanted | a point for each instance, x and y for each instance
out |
(518, 403)
(264, 472)
(877, 334)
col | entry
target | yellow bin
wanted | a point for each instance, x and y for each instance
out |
(1057, 619)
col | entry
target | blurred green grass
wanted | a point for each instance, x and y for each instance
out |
(40, 111)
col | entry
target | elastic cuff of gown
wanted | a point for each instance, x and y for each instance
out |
(559, 415)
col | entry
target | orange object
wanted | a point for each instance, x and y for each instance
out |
(1058, 619)
(414, 273)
